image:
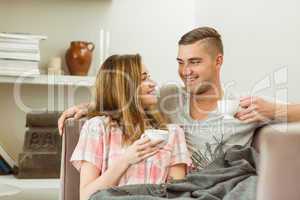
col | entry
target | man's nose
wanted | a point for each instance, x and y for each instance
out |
(187, 71)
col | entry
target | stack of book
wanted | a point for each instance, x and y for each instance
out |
(7, 164)
(19, 54)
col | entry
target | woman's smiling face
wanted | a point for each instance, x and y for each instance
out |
(147, 91)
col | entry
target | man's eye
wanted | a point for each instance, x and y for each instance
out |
(195, 62)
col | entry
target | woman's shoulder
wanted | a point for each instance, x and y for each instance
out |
(95, 125)
(97, 120)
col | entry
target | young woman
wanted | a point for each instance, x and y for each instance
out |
(111, 150)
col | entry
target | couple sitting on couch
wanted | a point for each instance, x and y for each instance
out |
(111, 150)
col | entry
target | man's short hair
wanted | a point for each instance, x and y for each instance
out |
(209, 35)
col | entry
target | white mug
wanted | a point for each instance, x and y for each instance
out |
(228, 108)
(157, 134)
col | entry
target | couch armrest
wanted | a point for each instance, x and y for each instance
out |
(280, 128)
(69, 175)
(279, 170)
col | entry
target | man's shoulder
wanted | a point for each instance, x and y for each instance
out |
(171, 95)
(170, 89)
(170, 100)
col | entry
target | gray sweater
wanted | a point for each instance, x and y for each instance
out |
(206, 139)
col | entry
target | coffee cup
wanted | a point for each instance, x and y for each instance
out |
(157, 134)
(228, 108)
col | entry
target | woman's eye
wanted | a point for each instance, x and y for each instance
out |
(145, 78)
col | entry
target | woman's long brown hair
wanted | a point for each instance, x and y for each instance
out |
(116, 96)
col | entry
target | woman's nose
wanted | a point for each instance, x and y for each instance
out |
(151, 83)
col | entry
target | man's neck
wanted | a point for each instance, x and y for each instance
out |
(202, 104)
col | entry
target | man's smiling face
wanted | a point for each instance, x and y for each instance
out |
(197, 67)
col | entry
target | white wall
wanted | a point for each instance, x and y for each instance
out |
(153, 29)
(260, 36)
(150, 27)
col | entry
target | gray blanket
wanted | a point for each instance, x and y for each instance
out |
(232, 176)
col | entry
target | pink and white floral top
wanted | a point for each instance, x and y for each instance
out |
(102, 146)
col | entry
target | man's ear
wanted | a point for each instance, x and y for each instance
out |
(219, 61)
